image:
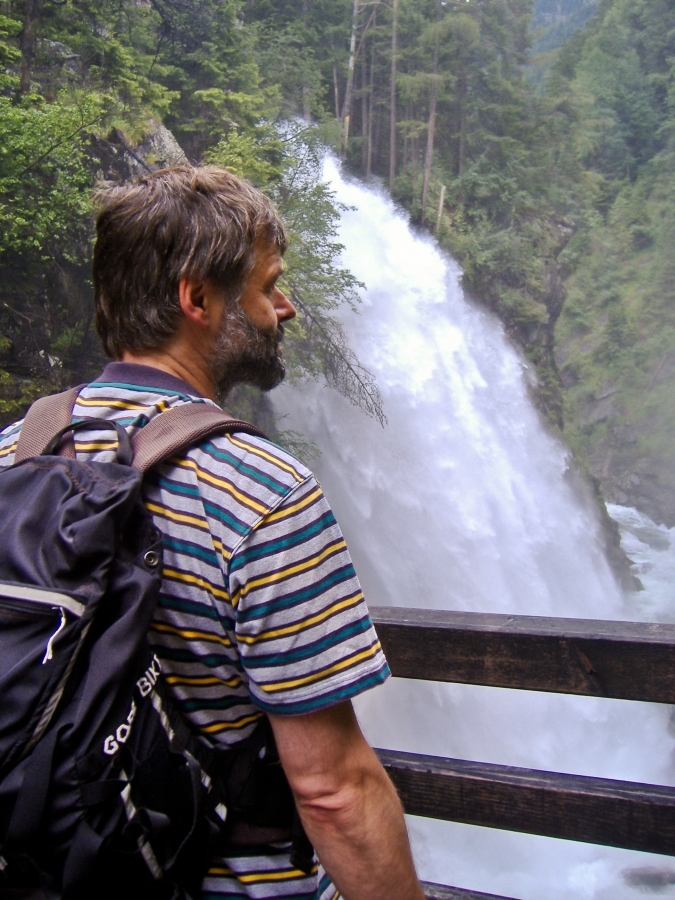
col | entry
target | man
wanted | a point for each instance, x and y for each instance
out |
(260, 611)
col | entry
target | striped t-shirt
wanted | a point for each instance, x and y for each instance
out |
(260, 609)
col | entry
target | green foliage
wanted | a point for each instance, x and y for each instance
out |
(259, 155)
(553, 24)
(9, 54)
(45, 230)
(613, 87)
(572, 176)
(44, 183)
(301, 46)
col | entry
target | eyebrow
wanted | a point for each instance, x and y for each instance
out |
(275, 273)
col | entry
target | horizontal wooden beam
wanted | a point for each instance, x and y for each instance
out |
(441, 892)
(572, 807)
(625, 660)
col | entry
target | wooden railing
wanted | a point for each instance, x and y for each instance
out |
(623, 660)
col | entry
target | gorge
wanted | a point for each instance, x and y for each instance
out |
(465, 501)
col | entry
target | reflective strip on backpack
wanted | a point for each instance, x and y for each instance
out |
(41, 595)
(142, 842)
(55, 699)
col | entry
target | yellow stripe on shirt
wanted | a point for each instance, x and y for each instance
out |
(219, 547)
(192, 635)
(326, 553)
(347, 603)
(291, 510)
(8, 450)
(203, 475)
(219, 727)
(198, 580)
(94, 446)
(260, 877)
(244, 445)
(182, 518)
(324, 673)
(203, 681)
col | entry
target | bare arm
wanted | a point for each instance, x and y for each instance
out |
(347, 804)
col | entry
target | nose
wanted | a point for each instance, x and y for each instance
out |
(283, 307)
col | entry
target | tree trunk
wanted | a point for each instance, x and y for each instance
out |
(306, 110)
(392, 105)
(364, 110)
(406, 137)
(441, 204)
(414, 169)
(349, 93)
(377, 140)
(31, 15)
(428, 160)
(337, 93)
(462, 121)
(371, 105)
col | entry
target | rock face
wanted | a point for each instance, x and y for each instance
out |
(533, 327)
(539, 342)
(633, 479)
(116, 158)
(58, 295)
(623, 433)
(160, 148)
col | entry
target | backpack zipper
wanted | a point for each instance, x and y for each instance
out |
(30, 608)
(50, 643)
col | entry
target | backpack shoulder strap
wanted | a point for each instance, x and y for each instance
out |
(181, 427)
(170, 432)
(45, 418)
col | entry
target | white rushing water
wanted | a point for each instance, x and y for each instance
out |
(464, 501)
(651, 549)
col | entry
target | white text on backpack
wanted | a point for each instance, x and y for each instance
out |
(146, 682)
(112, 743)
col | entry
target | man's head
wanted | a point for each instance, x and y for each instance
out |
(197, 227)
(246, 349)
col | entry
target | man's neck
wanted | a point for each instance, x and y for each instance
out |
(173, 364)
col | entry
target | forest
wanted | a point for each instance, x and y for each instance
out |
(534, 139)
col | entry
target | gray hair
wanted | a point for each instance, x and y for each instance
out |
(176, 223)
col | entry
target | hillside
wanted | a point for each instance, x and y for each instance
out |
(556, 199)
(615, 340)
(616, 347)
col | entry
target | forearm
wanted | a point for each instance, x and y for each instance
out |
(348, 805)
(360, 837)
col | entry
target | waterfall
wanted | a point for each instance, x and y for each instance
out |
(464, 501)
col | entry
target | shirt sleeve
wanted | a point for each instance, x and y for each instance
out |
(305, 636)
(9, 438)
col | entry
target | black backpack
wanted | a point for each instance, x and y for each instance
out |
(104, 790)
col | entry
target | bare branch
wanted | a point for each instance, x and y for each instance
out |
(55, 146)
(343, 371)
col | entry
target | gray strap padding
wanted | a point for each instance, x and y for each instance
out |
(179, 428)
(45, 418)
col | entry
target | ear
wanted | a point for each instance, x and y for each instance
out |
(200, 301)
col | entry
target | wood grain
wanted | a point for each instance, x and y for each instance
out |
(625, 660)
(572, 807)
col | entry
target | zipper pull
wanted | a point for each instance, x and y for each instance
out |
(62, 624)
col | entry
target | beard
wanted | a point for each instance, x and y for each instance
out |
(246, 354)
